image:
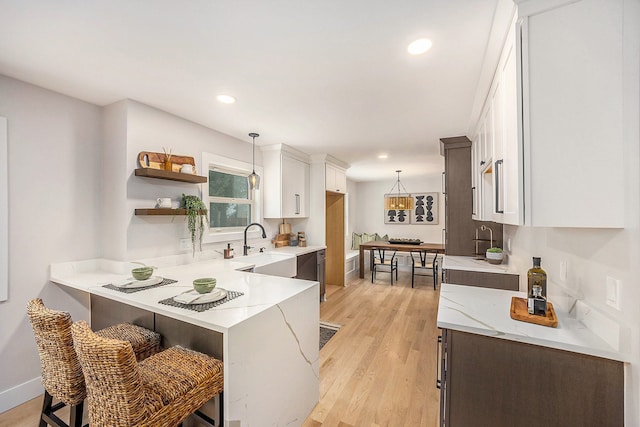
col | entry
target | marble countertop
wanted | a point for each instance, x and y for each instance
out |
(260, 291)
(469, 263)
(485, 311)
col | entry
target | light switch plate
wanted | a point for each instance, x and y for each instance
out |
(613, 292)
(185, 244)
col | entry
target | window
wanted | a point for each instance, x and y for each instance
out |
(232, 206)
(229, 199)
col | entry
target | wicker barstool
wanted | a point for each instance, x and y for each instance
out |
(61, 372)
(162, 390)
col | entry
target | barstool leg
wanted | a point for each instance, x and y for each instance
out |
(75, 419)
(46, 407)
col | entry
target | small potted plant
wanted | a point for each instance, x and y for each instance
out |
(495, 255)
(196, 217)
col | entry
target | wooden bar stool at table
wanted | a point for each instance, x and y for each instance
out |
(162, 390)
(61, 372)
(421, 261)
(378, 259)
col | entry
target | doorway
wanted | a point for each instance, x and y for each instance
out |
(334, 238)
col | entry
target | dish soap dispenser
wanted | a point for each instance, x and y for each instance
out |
(228, 253)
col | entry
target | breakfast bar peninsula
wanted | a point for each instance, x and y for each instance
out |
(266, 330)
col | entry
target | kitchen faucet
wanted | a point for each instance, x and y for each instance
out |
(245, 248)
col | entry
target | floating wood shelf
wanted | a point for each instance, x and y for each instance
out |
(171, 176)
(162, 211)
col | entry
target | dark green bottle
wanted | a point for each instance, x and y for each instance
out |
(536, 276)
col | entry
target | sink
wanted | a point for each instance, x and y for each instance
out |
(272, 264)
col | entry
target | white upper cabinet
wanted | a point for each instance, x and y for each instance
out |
(553, 120)
(286, 182)
(571, 94)
(335, 179)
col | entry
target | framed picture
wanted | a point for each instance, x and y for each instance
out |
(425, 208)
(397, 216)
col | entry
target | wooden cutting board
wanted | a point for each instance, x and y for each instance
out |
(148, 159)
(519, 311)
(285, 228)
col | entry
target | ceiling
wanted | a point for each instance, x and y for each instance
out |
(323, 76)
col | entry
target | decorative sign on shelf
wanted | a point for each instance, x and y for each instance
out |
(424, 212)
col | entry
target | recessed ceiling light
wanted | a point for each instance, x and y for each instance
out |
(383, 156)
(226, 99)
(419, 46)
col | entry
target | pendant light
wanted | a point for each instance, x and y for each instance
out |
(398, 201)
(254, 179)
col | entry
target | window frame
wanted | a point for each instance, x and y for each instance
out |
(226, 164)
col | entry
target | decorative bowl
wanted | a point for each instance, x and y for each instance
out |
(142, 273)
(204, 285)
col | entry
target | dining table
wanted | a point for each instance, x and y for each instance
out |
(400, 247)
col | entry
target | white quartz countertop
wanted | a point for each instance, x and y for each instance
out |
(485, 311)
(260, 291)
(468, 263)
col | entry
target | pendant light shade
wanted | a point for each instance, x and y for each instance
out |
(398, 200)
(254, 178)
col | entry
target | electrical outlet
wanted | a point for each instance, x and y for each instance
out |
(613, 292)
(185, 244)
(563, 271)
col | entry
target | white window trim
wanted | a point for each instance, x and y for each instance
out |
(212, 236)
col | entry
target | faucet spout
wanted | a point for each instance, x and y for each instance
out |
(245, 248)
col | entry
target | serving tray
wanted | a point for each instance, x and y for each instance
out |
(405, 241)
(520, 312)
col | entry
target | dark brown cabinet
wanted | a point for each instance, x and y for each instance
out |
(460, 229)
(311, 266)
(508, 282)
(487, 381)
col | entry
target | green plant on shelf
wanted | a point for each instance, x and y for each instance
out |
(495, 250)
(196, 217)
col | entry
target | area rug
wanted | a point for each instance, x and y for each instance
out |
(327, 331)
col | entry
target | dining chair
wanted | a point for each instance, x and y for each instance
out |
(162, 390)
(61, 372)
(421, 263)
(379, 259)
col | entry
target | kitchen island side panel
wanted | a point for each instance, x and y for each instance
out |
(277, 347)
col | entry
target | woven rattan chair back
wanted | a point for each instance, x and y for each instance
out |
(61, 372)
(114, 384)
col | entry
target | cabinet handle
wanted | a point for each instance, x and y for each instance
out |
(444, 188)
(438, 362)
(482, 162)
(499, 190)
(297, 204)
(473, 200)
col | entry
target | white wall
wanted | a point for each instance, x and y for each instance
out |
(369, 203)
(54, 215)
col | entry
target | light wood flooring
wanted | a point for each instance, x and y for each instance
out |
(378, 370)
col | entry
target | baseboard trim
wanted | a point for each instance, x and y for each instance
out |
(20, 394)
